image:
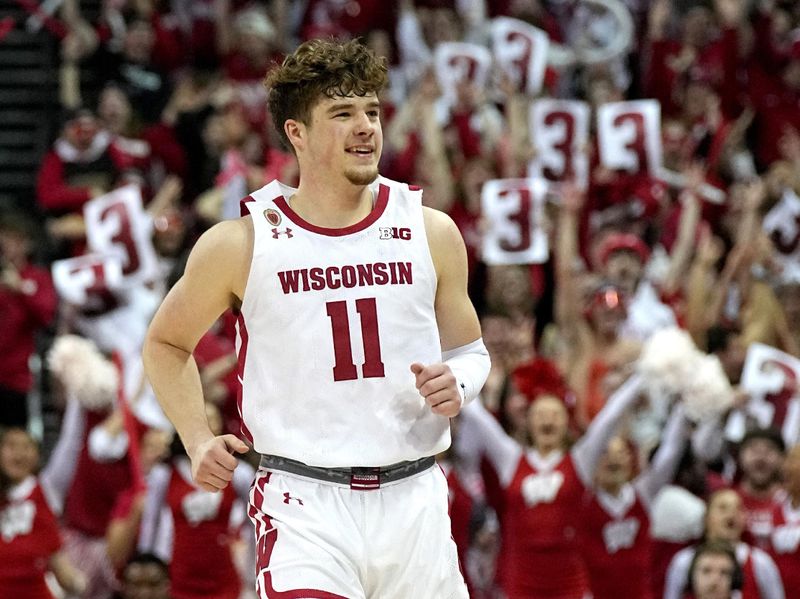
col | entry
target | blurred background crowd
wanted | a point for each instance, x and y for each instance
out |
(572, 476)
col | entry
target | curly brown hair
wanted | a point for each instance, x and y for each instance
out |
(320, 68)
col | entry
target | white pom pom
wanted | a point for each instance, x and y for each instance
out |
(708, 393)
(667, 361)
(676, 515)
(85, 373)
(671, 365)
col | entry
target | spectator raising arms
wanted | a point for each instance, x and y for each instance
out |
(543, 486)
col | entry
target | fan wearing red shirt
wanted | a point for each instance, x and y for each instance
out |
(27, 303)
(614, 534)
(725, 521)
(543, 487)
(760, 458)
(30, 540)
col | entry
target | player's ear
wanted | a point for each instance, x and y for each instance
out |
(296, 133)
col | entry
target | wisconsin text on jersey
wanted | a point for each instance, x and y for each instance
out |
(347, 276)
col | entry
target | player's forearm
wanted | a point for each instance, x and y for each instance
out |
(173, 373)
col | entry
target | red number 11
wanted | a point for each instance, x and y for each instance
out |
(345, 369)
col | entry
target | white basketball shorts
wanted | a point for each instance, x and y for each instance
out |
(321, 540)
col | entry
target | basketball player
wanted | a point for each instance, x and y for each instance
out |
(356, 341)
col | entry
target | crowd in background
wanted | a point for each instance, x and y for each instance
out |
(564, 479)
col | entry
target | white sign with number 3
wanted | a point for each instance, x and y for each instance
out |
(117, 225)
(559, 130)
(514, 213)
(629, 135)
(87, 280)
(456, 63)
(520, 50)
(771, 378)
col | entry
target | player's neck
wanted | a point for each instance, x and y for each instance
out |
(331, 205)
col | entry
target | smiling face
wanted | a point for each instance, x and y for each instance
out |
(18, 455)
(343, 138)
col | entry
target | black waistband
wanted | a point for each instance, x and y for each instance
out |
(358, 478)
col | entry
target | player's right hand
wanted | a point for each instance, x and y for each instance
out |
(213, 463)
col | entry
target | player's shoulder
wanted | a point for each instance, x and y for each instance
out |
(439, 226)
(223, 251)
(227, 235)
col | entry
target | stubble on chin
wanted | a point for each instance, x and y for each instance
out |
(361, 176)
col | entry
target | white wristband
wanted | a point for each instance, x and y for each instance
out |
(470, 365)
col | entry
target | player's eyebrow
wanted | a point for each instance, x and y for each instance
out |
(351, 105)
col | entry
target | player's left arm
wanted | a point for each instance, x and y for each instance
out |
(448, 385)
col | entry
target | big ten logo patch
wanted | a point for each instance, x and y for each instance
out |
(201, 506)
(403, 233)
(17, 519)
(785, 539)
(620, 534)
(541, 488)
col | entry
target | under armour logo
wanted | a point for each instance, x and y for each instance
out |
(287, 498)
(287, 231)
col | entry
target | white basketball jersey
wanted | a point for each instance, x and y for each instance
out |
(331, 321)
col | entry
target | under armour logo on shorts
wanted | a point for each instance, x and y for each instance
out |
(287, 498)
(287, 231)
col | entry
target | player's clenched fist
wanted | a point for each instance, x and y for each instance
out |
(437, 384)
(213, 463)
